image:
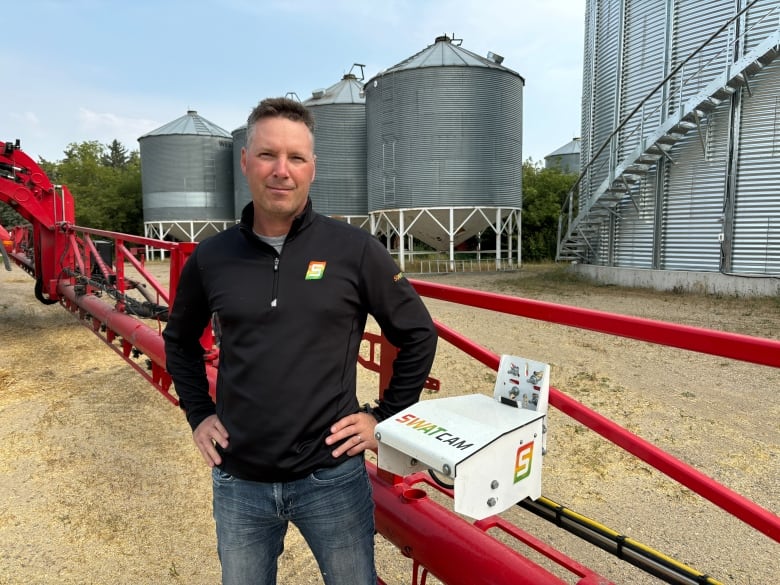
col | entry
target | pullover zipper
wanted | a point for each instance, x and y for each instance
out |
(276, 282)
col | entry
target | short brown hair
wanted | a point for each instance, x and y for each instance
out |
(279, 107)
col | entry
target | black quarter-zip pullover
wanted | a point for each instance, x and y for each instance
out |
(290, 331)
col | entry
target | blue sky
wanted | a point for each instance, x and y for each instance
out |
(76, 70)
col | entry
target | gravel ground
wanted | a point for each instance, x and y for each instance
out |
(101, 483)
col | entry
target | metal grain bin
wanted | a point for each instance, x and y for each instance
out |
(566, 158)
(241, 194)
(340, 186)
(444, 128)
(678, 132)
(187, 172)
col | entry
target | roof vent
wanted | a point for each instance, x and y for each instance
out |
(448, 39)
(495, 57)
(317, 93)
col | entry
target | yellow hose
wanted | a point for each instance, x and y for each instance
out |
(625, 541)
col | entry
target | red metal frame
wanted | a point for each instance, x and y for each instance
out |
(730, 345)
(745, 348)
(59, 255)
(456, 552)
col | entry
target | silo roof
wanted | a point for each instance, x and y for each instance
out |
(572, 147)
(190, 123)
(347, 91)
(444, 53)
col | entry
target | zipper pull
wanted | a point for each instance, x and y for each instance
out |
(276, 270)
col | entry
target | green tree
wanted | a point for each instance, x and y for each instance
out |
(115, 156)
(544, 192)
(127, 202)
(106, 185)
(9, 217)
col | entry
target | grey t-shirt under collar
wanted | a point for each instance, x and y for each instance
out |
(276, 241)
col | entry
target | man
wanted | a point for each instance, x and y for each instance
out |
(291, 290)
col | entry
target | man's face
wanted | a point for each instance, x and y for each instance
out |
(278, 164)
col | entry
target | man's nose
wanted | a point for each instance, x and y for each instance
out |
(281, 166)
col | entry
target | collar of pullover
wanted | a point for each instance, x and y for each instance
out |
(299, 223)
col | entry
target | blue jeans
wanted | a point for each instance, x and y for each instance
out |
(332, 508)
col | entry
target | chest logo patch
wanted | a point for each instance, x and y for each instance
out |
(316, 270)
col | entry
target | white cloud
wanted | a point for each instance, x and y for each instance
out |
(106, 126)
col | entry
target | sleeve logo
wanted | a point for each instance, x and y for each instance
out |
(316, 270)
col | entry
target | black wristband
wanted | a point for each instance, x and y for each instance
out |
(368, 410)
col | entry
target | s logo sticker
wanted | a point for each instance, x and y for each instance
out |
(316, 270)
(523, 458)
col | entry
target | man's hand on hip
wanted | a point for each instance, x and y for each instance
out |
(357, 432)
(207, 435)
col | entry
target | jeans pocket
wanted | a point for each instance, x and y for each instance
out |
(219, 476)
(352, 467)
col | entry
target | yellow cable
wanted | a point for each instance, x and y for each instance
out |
(626, 540)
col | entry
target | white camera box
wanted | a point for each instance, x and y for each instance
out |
(491, 449)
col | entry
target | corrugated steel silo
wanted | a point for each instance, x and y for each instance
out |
(340, 186)
(678, 127)
(241, 194)
(187, 175)
(444, 131)
(566, 158)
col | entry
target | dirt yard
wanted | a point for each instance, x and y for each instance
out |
(102, 484)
